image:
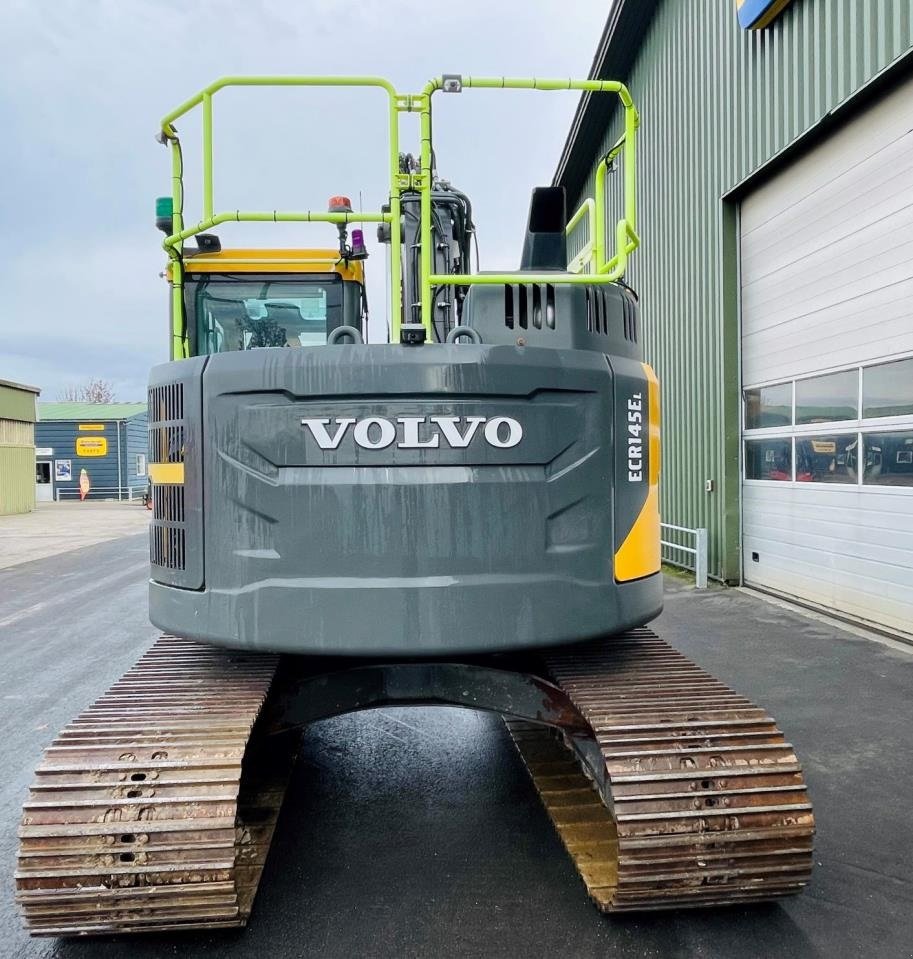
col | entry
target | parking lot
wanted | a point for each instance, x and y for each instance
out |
(417, 832)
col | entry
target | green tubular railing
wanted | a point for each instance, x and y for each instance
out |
(626, 239)
(586, 257)
(210, 219)
(593, 255)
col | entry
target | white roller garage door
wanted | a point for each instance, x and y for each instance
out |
(827, 372)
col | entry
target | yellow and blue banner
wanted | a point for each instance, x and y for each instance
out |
(757, 14)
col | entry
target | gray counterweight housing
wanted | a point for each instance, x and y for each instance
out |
(392, 500)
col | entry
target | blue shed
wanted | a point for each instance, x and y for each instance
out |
(107, 440)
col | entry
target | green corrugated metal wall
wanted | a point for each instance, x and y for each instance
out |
(17, 450)
(716, 103)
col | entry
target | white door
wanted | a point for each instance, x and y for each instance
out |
(44, 490)
(827, 372)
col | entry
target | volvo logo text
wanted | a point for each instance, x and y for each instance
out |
(414, 432)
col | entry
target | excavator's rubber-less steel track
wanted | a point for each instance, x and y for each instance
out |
(705, 802)
(154, 809)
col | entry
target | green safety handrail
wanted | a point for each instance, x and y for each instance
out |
(626, 238)
(602, 270)
(587, 255)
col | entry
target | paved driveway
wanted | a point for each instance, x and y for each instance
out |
(415, 832)
(54, 528)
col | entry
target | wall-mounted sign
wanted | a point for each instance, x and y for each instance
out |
(91, 446)
(757, 14)
(88, 427)
(44, 451)
(63, 471)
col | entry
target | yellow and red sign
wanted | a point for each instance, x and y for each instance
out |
(88, 427)
(91, 446)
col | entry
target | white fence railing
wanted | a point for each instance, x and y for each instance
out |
(693, 558)
(128, 493)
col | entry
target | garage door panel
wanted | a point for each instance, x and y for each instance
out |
(863, 308)
(881, 564)
(857, 265)
(874, 605)
(859, 200)
(865, 329)
(880, 537)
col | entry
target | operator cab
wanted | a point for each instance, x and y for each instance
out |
(246, 299)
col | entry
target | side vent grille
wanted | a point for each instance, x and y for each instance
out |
(168, 504)
(166, 547)
(167, 532)
(597, 313)
(597, 310)
(529, 306)
(630, 320)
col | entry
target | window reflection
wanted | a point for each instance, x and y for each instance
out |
(769, 406)
(827, 459)
(887, 389)
(823, 399)
(888, 459)
(769, 459)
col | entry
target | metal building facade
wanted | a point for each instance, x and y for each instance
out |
(721, 107)
(17, 447)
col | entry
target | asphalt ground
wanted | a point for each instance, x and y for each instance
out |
(416, 832)
(54, 528)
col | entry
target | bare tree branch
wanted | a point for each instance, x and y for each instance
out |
(92, 391)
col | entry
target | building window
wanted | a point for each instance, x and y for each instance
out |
(869, 412)
(888, 458)
(827, 459)
(769, 406)
(826, 399)
(769, 459)
(140, 464)
(887, 389)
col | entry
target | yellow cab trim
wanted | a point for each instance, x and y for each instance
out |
(274, 261)
(639, 554)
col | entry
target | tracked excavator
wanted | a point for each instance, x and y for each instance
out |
(465, 514)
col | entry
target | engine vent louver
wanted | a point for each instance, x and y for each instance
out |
(529, 306)
(167, 532)
(598, 312)
(630, 320)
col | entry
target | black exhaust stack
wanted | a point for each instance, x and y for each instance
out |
(544, 247)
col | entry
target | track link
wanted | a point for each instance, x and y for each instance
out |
(704, 801)
(153, 810)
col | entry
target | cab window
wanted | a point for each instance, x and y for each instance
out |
(242, 312)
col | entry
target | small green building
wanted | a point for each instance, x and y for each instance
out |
(775, 208)
(17, 447)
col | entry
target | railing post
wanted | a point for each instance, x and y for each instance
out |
(700, 559)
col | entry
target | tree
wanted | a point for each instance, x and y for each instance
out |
(92, 391)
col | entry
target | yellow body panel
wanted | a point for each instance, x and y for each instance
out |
(639, 554)
(171, 474)
(274, 261)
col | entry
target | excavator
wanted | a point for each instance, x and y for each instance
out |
(464, 514)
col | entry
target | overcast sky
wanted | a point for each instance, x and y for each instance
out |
(84, 83)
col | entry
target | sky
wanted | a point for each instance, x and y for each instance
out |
(84, 84)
